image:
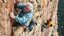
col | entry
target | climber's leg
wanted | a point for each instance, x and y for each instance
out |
(18, 31)
(44, 31)
(31, 25)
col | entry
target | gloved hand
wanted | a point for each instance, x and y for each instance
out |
(12, 15)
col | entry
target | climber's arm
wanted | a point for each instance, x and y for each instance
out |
(19, 5)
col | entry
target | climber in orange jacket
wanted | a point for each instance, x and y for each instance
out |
(50, 23)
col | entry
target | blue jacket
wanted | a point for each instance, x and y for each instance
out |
(23, 17)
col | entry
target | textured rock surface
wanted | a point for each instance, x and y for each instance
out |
(42, 11)
(43, 8)
(5, 8)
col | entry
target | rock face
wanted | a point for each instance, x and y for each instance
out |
(43, 9)
(5, 9)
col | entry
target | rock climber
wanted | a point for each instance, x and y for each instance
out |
(25, 14)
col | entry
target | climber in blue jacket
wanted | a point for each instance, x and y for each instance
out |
(25, 14)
